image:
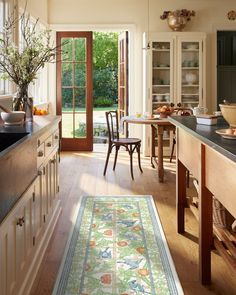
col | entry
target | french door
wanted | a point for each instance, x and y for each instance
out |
(123, 74)
(74, 90)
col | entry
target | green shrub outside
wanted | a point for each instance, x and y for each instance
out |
(103, 102)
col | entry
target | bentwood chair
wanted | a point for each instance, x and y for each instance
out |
(114, 141)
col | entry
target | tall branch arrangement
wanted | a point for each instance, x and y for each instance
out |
(20, 63)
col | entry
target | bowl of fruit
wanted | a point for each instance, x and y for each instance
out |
(164, 111)
(40, 112)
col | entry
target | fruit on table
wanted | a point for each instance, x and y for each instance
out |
(40, 112)
(165, 109)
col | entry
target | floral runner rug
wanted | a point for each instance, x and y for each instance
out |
(117, 247)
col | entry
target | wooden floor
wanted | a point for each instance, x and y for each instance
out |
(82, 174)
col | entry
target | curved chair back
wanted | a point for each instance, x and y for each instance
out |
(112, 125)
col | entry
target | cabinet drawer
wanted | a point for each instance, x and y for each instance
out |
(56, 138)
(48, 145)
(40, 154)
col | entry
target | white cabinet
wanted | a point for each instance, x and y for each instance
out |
(26, 230)
(174, 73)
(17, 240)
(175, 70)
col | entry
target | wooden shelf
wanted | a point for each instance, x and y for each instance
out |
(224, 240)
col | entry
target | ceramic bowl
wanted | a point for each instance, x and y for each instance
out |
(229, 113)
(13, 118)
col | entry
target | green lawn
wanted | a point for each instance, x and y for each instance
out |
(114, 107)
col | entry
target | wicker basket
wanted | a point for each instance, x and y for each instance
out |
(221, 217)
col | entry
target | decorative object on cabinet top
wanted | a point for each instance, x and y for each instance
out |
(177, 19)
(231, 15)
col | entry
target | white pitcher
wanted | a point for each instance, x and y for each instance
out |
(199, 110)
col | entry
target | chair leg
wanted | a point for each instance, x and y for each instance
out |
(107, 159)
(172, 149)
(131, 161)
(139, 160)
(117, 149)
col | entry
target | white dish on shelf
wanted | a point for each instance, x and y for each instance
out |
(192, 46)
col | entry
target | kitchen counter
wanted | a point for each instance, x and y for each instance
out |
(18, 162)
(211, 160)
(207, 134)
(36, 128)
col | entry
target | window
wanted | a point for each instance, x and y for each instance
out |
(38, 88)
(4, 6)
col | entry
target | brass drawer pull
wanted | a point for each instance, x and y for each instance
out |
(49, 144)
(20, 221)
(40, 154)
(39, 142)
(56, 137)
(53, 161)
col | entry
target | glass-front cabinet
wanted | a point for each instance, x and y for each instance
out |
(174, 73)
(175, 70)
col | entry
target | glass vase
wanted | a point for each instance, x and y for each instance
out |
(23, 102)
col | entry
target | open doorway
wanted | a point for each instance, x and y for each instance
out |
(85, 91)
(110, 79)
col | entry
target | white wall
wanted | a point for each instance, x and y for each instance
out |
(37, 8)
(210, 15)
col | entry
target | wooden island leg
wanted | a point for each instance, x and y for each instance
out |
(205, 226)
(181, 200)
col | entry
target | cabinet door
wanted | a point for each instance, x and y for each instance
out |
(162, 65)
(189, 78)
(16, 244)
(37, 211)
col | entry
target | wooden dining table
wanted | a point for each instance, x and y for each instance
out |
(158, 126)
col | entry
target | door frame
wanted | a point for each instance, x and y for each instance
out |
(134, 93)
(77, 144)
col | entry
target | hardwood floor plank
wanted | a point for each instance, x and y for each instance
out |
(82, 174)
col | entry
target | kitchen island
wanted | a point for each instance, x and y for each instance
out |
(29, 203)
(212, 161)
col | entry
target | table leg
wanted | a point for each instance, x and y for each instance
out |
(153, 156)
(160, 131)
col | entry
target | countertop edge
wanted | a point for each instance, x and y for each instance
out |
(203, 139)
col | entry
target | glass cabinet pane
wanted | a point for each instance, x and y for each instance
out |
(190, 80)
(161, 79)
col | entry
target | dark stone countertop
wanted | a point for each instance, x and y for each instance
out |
(207, 134)
(39, 126)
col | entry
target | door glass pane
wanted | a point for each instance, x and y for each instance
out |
(80, 113)
(67, 114)
(67, 74)
(80, 74)
(67, 99)
(67, 51)
(80, 49)
(67, 123)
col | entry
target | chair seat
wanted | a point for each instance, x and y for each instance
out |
(126, 141)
